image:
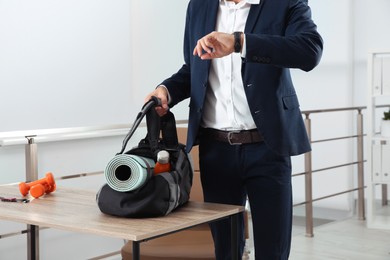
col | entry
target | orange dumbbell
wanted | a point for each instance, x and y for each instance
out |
(39, 187)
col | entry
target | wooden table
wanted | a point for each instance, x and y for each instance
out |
(76, 210)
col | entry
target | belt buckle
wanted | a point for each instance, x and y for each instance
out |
(230, 137)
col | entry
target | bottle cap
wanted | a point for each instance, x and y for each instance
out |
(163, 157)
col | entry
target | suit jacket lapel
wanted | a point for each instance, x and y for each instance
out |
(211, 15)
(211, 20)
(253, 16)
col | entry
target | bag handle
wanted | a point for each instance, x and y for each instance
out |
(169, 131)
(154, 101)
(166, 124)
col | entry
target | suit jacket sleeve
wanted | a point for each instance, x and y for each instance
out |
(297, 44)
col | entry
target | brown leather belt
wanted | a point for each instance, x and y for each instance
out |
(233, 137)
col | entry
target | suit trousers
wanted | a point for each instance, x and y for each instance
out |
(231, 174)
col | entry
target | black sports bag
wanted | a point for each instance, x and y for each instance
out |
(161, 193)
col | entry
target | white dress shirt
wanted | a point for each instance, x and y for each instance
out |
(226, 106)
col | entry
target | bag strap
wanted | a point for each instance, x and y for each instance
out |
(166, 124)
(153, 124)
(154, 101)
(169, 131)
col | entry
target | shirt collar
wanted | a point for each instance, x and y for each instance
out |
(252, 2)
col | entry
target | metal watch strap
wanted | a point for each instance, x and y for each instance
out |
(237, 41)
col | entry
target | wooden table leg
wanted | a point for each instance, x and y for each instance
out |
(136, 250)
(32, 242)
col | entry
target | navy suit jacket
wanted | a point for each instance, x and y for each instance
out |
(280, 35)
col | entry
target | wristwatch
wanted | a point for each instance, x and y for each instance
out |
(237, 42)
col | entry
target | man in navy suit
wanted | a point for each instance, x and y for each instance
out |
(244, 112)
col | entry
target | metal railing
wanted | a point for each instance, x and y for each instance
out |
(309, 168)
(85, 132)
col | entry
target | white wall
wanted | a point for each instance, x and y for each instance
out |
(91, 62)
(371, 19)
(315, 90)
(79, 63)
(156, 52)
(64, 63)
(328, 86)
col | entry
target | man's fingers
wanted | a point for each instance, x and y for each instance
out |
(204, 45)
(161, 110)
(147, 98)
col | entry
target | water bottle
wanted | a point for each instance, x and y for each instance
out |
(162, 164)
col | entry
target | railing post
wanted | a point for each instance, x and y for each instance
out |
(31, 159)
(31, 175)
(360, 158)
(384, 195)
(308, 183)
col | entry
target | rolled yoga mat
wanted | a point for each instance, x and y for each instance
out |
(127, 172)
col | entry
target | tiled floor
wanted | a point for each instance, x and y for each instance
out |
(344, 238)
(337, 236)
(347, 240)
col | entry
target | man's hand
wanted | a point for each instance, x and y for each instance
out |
(214, 45)
(161, 93)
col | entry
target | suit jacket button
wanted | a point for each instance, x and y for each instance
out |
(255, 58)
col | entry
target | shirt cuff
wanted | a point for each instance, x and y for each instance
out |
(243, 50)
(169, 95)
